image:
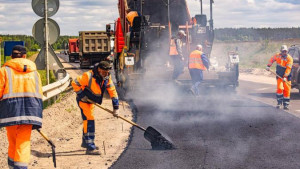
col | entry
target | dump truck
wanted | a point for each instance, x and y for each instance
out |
(94, 46)
(73, 50)
(148, 40)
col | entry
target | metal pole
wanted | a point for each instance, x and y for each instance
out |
(201, 7)
(169, 20)
(46, 39)
(211, 15)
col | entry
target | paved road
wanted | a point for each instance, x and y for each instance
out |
(216, 130)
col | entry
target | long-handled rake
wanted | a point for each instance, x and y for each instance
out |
(51, 144)
(157, 140)
(279, 77)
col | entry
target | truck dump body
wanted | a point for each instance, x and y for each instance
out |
(94, 46)
(73, 51)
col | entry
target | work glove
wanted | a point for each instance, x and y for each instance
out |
(284, 79)
(84, 99)
(116, 113)
(268, 68)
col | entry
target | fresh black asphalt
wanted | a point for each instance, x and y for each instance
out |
(216, 130)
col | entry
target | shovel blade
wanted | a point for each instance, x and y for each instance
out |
(158, 142)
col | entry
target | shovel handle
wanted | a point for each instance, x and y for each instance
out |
(279, 77)
(111, 112)
(52, 146)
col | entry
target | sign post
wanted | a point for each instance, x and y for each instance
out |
(46, 32)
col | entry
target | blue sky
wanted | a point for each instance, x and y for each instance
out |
(17, 16)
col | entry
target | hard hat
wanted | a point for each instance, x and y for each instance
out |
(283, 48)
(199, 47)
(181, 32)
(105, 65)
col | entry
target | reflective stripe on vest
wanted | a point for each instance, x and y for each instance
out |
(173, 49)
(195, 61)
(10, 94)
(20, 118)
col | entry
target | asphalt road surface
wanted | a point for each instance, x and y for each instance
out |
(219, 129)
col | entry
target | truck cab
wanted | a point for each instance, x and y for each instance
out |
(294, 51)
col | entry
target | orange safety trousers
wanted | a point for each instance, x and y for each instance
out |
(19, 145)
(283, 88)
(283, 92)
(87, 114)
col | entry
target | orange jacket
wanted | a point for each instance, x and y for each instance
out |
(196, 60)
(88, 85)
(130, 17)
(20, 93)
(284, 64)
(173, 49)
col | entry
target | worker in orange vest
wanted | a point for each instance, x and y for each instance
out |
(283, 69)
(21, 105)
(92, 85)
(176, 55)
(131, 15)
(198, 62)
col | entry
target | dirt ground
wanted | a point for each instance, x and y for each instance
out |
(62, 123)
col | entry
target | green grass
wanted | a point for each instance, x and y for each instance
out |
(43, 75)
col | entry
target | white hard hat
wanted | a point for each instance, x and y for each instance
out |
(199, 47)
(181, 32)
(283, 48)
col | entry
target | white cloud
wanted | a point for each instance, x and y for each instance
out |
(79, 15)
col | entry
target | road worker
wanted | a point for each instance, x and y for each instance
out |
(176, 55)
(131, 15)
(21, 105)
(283, 69)
(92, 85)
(198, 62)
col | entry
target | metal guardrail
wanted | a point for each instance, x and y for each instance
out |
(56, 88)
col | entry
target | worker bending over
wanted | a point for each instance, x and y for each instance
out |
(283, 69)
(92, 85)
(21, 105)
(198, 62)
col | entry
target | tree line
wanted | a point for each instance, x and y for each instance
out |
(32, 45)
(255, 34)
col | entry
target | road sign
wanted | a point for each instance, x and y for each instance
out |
(53, 31)
(39, 9)
(54, 63)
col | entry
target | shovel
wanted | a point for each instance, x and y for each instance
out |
(51, 144)
(158, 142)
(279, 77)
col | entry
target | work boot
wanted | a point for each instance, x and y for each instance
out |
(192, 90)
(92, 150)
(285, 107)
(278, 106)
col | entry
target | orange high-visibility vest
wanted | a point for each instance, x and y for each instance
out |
(283, 64)
(20, 93)
(173, 49)
(130, 17)
(195, 61)
(87, 81)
